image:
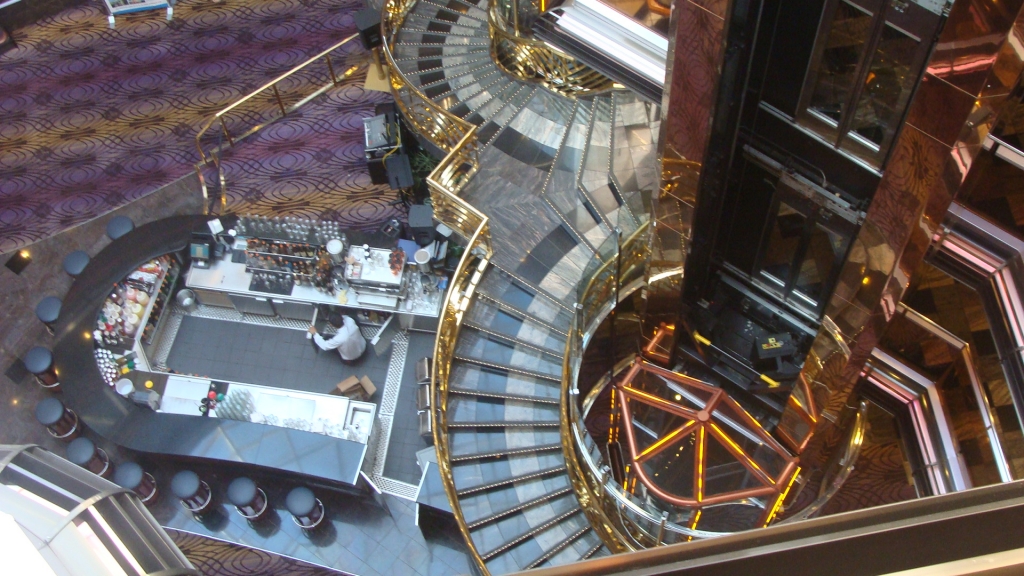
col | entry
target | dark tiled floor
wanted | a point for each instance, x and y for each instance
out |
(405, 436)
(363, 537)
(267, 356)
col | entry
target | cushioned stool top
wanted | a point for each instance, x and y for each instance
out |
(300, 501)
(81, 450)
(241, 491)
(185, 484)
(75, 262)
(119, 226)
(48, 309)
(49, 411)
(128, 475)
(38, 360)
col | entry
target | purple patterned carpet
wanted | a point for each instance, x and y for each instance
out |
(92, 118)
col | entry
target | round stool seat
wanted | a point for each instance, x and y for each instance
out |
(128, 475)
(300, 501)
(75, 262)
(81, 450)
(38, 360)
(241, 491)
(185, 484)
(49, 411)
(119, 226)
(48, 309)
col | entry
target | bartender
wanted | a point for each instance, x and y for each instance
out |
(348, 341)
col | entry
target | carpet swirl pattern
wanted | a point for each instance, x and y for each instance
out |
(92, 118)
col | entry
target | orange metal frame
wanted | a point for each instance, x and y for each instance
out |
(701, 423)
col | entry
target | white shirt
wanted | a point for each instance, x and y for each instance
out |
(349, 342)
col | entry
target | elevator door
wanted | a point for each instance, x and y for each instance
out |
(802, 249)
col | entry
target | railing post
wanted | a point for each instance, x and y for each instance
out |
(375, 53)
(279, 102)
(661, 528)
(226, 133)
(330, 68)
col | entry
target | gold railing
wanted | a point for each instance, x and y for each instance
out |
(615, 266)
(442, 128)
(283, 94)
(444, 183)
(535, 61)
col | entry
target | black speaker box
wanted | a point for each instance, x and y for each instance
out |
(421, 223)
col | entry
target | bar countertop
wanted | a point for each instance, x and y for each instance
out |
(138, 428)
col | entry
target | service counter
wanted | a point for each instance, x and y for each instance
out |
(174, 431)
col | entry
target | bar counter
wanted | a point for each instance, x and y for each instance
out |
(138, 428)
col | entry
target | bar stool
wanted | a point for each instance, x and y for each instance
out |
(119, 226)
(83, 452)
(131, 476)
(39, 361)
(195, 495)
(250, 500)
(47, 311)
(60, 421)
(75, 262)
(307, 510)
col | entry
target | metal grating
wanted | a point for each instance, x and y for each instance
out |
(389, 399)
(232, 315)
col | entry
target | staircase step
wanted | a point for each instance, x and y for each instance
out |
(486, 483)
(471, 377)
(448, 95)
(413, 52)
(513, 294)
(503, 452)
(484, 412)
(521, 550)
(429, 77)
(415, 21)
(545, 342)
(564, 546)
(481, 346)
(443, 40)
(490, 129)
(441, 9)
(517, 508)
(488, 109)
(505, 367)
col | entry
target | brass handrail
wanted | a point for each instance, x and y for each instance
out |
(444, 129)
(535, 61)
(273, 86)
(444, 183)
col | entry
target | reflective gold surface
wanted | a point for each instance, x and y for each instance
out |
(536, 61)
(443, 129)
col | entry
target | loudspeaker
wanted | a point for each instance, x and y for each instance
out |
(399, 171)
(378, 173)
(368, 23)
(421, 223)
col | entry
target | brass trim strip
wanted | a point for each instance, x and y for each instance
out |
(507, 368)
(517, 312)
(504, 424)
(500, 453)
(512, 340)
(470, 392)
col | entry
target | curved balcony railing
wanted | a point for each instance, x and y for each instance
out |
(442, 128)
(536, 61)
(282, 95)
(471, 224)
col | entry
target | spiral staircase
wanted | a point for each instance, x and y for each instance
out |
(556, 177)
